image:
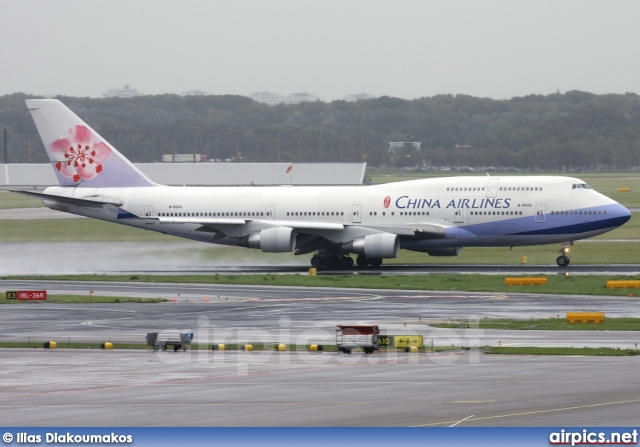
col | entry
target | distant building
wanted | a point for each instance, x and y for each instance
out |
(124, 92)
(404, 145)
(267, 98)
(183, 158)
(271, 98)
(358, 97)
(195, 93)
(296, 98)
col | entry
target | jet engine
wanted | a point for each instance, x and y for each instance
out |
(380, 246)
(271, 240)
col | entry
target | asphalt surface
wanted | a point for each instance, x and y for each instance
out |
(269, 388)
(145, 388)
(177, 257)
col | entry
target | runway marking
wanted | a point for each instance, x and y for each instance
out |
(461, 420)
(78, 307)
(527, 413)
(320, 298)
(468, 295)
(213, 404)
(472, 401)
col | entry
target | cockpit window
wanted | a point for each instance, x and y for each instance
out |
(581, 186)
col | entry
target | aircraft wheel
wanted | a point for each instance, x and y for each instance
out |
(375, 262)
(362, 261)
(563, 261)
(332, 262)
(346, 262)
(316, 261)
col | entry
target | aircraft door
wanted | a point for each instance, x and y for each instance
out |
(270, 212)
(540, 213)
(148, 212)
(356, 215)
(458, 217)
(492, 186)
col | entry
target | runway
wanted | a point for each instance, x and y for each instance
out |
(270, 388)
(180, 258)
(311, 314)
(144, 388)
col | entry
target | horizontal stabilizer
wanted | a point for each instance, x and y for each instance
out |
(95, 201)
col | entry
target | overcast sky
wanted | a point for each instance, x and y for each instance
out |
(331, 48)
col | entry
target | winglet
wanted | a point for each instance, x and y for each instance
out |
(79, 156)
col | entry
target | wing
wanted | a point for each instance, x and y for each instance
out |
(309, 236)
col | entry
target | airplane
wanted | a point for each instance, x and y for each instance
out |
(436, 216)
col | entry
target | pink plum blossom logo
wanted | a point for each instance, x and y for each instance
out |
(387, 201)
(79, 156)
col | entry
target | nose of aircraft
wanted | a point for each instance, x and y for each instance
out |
(622, 214)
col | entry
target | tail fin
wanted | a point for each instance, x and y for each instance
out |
(81, 157)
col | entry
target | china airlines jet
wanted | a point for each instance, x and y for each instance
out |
(435, 216)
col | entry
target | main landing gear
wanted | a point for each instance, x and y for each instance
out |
(337, 260)
(363, 261)
(563, 260)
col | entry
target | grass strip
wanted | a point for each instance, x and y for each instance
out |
(548, 324)
(530, 350)
(257, 347)
(87, 299)
(557, 284)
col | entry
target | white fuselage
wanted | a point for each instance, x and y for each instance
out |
(470, 211)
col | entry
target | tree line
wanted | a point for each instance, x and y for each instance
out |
(571, 131)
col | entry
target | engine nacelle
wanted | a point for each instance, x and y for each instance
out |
(445, 251)
(383, 245)
(271, 240)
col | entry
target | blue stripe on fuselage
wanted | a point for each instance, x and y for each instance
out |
(553, 224)
(582, 227)
(122, 214)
